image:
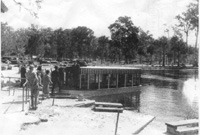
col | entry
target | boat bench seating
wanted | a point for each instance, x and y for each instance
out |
(186, 127)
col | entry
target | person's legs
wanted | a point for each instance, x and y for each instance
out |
(36, 101)
(32, 99)
(59, 85)
(53, 86)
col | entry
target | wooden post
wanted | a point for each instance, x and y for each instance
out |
(53, 100)
(26, 95)
(28, 91)
(64, 77)
(98, 81)
(108, 81)
(80, 81)
(88, 81)
(136, 79)
(117, 123)
(132, 81)
(117, 81)
(125, 80)
(139, 77)
(9, 86)
(23, 99)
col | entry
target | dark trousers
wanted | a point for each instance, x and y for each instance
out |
(54, 84)
(23, 80)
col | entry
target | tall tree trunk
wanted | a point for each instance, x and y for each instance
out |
(151, 60)
(140, 59)
(163, 63)
(174, 58)
(178, 59)
(196, 51)
(186, 38)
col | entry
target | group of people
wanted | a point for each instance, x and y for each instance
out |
(36, 81)
(40, 80)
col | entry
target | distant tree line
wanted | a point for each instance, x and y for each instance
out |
(127, 43)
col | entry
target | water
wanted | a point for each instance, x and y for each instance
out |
(171, 94)
(166, 94)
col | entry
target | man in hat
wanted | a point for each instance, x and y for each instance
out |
(55, 79)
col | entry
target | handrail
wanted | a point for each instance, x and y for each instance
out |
(12, 77)
(26, 96)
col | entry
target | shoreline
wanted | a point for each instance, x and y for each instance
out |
(65, 117)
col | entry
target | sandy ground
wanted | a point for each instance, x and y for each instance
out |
(64, 117)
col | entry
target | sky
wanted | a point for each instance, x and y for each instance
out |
(153, 15)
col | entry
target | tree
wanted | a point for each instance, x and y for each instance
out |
(125, 34)
(81, 38)
(46, 43)
(21, 40)
(67, 40)
(115, 52)
(151, 50)
(145, 40)
(179, 49)
(33, 41)
(13, 42)
(59, 40)
(163, 42)
(94, 46)
(184, 24)
(102, 49)
(193, 13)
(7, 45)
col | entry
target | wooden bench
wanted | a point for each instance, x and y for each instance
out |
(188, 131)
(104, 104)
(189, 127)
(108, 109)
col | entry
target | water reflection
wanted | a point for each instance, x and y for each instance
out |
(190, 90)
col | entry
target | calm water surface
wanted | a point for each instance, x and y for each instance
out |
(171, 94)
(166, 94)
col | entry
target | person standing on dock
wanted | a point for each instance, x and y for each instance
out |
(75, 74)
(46, 82)
(61, 76)
(55, 79)
(23, 74)
(32, 83)
(39, 70)
(67, 76)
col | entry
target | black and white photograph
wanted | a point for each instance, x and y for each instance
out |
(99, 67)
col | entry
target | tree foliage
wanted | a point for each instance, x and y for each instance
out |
(128, 43)
(81, 38)
(125, 35)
